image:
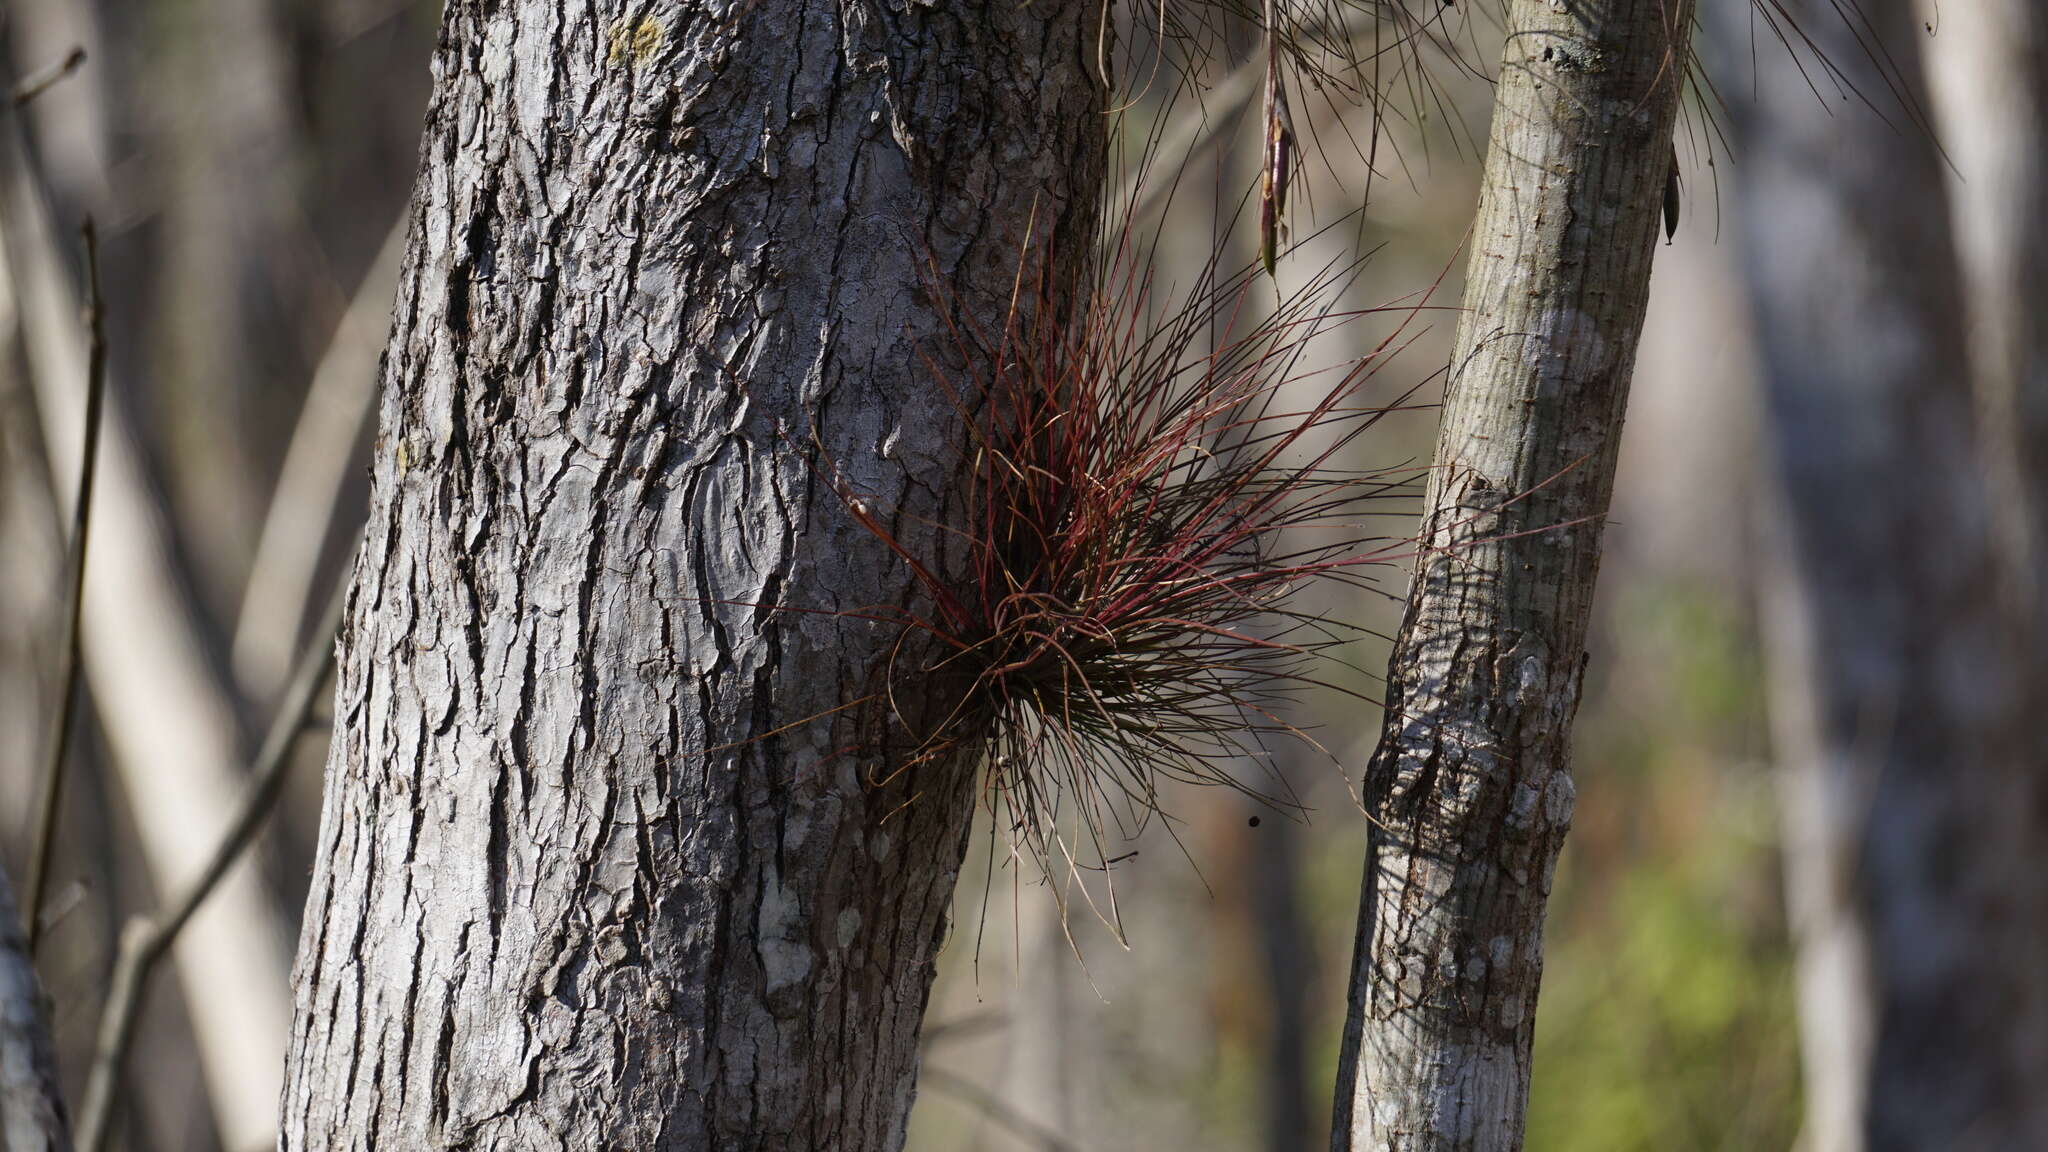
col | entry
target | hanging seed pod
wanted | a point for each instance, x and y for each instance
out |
(1671, 197)
(1277, 155)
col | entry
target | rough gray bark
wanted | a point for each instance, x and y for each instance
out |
(1894, 688)
(579, 886)
(31, 1111)
(1470, 792)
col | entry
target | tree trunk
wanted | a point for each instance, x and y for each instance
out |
(1989, 65)
(1893, 658)
(1470, 792)
(593, 870)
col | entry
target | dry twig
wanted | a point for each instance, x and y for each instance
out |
(50, 789)
(38, 83)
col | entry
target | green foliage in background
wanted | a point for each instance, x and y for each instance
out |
(1667, 1014)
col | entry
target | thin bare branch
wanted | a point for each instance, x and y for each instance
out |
(307, 498)
(37, 83)
(50, 788)
(993, 1106)
(146, 941)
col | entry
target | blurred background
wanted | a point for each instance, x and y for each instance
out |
(247, 162)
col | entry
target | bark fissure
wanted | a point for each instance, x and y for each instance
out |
(667, 290)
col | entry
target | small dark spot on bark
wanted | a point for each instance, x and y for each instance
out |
(482, 244)
(661, 130)
(458, 301)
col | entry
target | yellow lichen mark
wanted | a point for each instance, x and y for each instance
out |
(636, 40)
(404, 455)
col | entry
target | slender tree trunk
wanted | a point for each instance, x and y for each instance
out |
(1470, 792)
(593, 873)
(1895, 685)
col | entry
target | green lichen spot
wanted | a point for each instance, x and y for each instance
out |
(636, 40)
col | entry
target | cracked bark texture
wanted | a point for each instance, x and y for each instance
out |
(579, 886)
(1470, 791)
(1898, 696)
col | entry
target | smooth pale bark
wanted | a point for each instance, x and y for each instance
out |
(1894, 693)
(1470, 792)
(590, 874)
(31, 1111)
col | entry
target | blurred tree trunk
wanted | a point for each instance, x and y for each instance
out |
(1990, 70)
(169, 721)
(1989, 64)
(1285, 949)
(1895, 688)
(1470, 792)
(594, 871)
(238, 275)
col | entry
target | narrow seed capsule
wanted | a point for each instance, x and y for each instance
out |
(1671, 197)
(1278, 156)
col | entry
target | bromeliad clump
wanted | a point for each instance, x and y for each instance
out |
(1150, 500)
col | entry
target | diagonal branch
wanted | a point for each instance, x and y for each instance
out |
(146, 941)
(307, 499)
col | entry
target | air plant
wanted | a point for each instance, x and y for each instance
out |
(1154, 498)
(1148, 504)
